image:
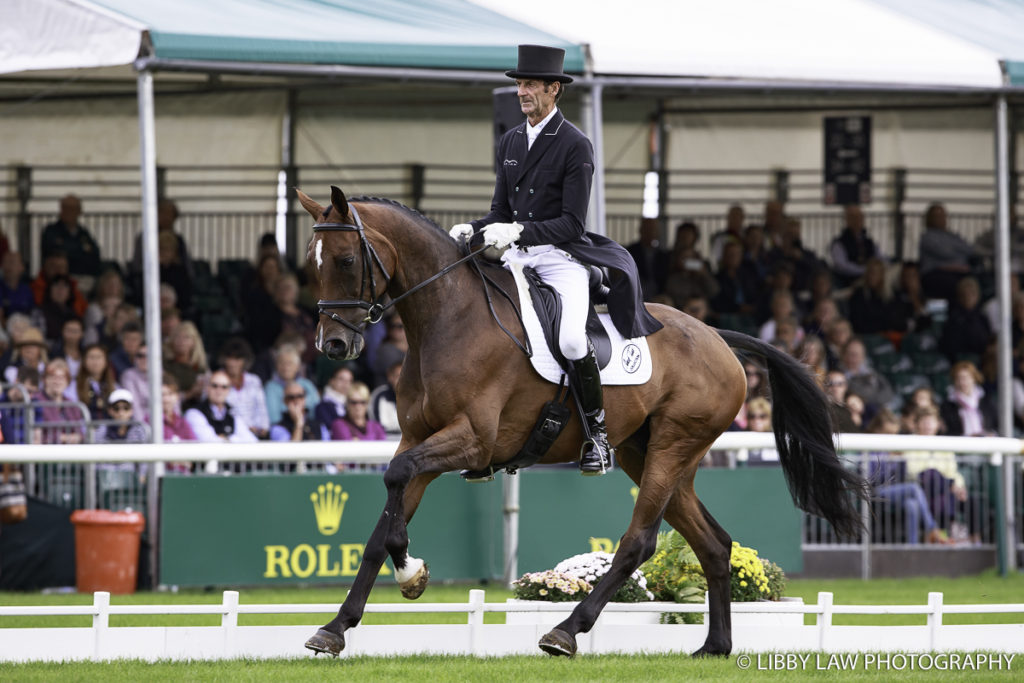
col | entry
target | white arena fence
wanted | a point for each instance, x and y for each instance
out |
(113, 473)
(758, 627)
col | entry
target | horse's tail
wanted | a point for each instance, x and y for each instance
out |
(802, 424)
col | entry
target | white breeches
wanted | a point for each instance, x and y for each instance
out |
(572, 282)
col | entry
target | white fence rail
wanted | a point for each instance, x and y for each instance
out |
(230, 640)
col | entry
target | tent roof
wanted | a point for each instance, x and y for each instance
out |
(441, 34)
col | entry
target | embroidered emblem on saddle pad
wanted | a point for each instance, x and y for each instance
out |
(629, 361)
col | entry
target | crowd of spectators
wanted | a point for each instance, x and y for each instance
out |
(75, 363)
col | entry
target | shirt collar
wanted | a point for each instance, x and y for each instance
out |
(535, 130)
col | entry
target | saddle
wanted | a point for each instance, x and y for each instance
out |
(555, 414)
(548, 306)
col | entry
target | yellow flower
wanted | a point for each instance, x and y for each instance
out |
(743, 583)
(543, 591)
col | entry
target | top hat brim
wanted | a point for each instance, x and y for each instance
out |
(560, 77)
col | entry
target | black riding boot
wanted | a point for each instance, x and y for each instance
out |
(595, 456)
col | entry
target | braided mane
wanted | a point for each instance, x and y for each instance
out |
(411, 212)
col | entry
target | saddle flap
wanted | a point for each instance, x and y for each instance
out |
(548, 306)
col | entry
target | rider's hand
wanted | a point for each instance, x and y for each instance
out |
(501, 235)
(460, 232)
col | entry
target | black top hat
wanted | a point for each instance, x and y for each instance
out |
(540, 62)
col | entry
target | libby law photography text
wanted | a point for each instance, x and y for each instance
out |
(877, 661)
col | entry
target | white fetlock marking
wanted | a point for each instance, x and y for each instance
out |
(412, 568)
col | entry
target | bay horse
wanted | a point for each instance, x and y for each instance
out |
(468, 397)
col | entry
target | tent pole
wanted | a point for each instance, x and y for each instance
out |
(1005, 357)
(592, 114)
(151, 290)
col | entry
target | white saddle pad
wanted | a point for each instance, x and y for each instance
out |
(630, 361)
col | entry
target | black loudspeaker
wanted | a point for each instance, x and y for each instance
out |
(507, 113)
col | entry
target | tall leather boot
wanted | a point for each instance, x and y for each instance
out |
(595, 456)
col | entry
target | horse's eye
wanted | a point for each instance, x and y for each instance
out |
(346, 261)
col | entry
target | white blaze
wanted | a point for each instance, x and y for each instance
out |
(319, 252)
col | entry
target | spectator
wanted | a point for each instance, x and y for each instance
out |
(58, 420)
(29, 351)
(820, 290)
(872, 309)
(836, 386)
(136, 380)
(213, 420)
(852, 249)
(55, 264)
(754, 252)
(888, 478)
(856, 408)
(123, 429)
(985, 245)
(863, 380)
(966, 331)
(759, 419)
(735, 217)
(774, 223)
(95, 382)
(968, 411)
(395, 344)
(821, 317)
(689, 273)
(910, 300)
(185, 358)
(69, 236)
(288, 368)
(356, 425)
(246, 396)
(13, 422)
(837, 335)
(15, 292)
(737, 282)
(791, 250)
(109, 335)
(783, 309)
(129, 340)
(943, 483)
(262, 324)
(295, 423)
(55, 309)
(173, 272)
(991, 310)
(170, 319)
(788, 336)
(292, 319)
(811, 352)
(335, 394)
(696, 305)
(921, 397)
(757, 380)
(70, 346)
(384, 401)
(945, 257)
(779, 280)
(166, 215)
(176, 427)
(652, 260)
(107, 295)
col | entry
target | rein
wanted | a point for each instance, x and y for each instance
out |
(375, 306)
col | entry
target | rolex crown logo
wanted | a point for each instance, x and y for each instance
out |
(328, 506)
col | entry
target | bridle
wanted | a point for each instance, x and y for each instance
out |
(374, 306)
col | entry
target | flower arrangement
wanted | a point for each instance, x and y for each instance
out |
(592, 567)
(749, 582)
(552, 586)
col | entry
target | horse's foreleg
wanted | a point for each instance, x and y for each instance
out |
(434, 455)
(411, 573)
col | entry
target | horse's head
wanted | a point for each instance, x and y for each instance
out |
(352, 276)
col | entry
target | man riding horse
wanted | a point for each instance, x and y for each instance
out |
(541, 194)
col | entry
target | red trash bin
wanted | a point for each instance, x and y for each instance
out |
(107, 550)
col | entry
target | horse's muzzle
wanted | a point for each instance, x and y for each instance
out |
(337, 348)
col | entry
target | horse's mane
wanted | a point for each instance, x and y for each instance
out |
(411, 212)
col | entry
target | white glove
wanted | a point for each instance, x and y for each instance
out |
(501, 235)
(461, 232)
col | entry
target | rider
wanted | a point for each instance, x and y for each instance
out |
(541, 193)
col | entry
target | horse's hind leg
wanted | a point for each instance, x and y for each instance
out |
(713, 547)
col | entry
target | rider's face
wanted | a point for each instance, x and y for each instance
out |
(536, 98)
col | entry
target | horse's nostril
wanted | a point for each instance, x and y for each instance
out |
(334, 348)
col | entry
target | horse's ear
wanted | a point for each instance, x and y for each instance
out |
(338, 201)
(314, 209)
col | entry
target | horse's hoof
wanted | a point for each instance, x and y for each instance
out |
(558, 643)
(710, 651)
(414, 587)
(326, 642)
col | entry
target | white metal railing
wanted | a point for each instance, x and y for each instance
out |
(101, 641)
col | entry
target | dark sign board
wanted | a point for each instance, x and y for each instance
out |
(507, 112)
(847, 160)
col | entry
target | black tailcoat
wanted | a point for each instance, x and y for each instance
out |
(546, 189)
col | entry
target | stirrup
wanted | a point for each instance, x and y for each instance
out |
(595, 465)
(478, 476)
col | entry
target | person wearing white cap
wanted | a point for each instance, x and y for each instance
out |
(122, 428)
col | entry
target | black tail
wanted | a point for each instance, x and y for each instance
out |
(802, 424)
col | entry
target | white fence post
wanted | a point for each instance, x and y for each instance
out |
(229, 622)
(934, 619)
(476, 620)
(824, 620)
(100, 621)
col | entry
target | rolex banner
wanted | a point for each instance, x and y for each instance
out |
(312, 529)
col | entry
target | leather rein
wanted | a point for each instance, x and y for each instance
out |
(375, 305)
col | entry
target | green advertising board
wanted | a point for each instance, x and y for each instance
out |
(286, 529)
